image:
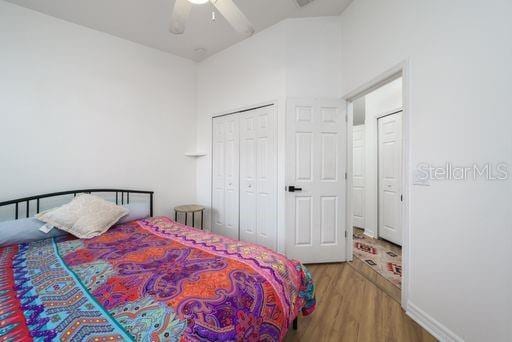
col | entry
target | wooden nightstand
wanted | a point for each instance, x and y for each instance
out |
(192, 209)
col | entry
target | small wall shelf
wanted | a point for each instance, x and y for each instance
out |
(195, 154)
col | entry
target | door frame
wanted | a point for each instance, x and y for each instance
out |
(402, 69)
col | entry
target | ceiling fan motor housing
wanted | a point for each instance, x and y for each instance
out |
(302, 3)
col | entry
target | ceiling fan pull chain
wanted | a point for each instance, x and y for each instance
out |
(214, 14)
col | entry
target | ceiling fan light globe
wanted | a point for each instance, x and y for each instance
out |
(198, 2)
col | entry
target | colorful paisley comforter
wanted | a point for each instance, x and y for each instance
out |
(149, 280)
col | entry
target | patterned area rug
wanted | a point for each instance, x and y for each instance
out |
(382, 256)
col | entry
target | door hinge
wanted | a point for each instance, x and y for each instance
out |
(345, 175)
(346, 235)
(346, 117)
(401, 198)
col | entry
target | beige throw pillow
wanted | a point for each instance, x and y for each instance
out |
(86, 216)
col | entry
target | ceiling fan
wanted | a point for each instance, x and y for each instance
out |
(227, 8)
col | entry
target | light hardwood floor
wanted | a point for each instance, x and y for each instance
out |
(350, 308)
(378, 280)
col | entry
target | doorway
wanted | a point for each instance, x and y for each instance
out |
(377, 192)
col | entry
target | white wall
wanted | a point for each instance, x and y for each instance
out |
(80, 108)
(247, 74)
(295, 58)
(377, 103)
(460, 72)
(313, 56)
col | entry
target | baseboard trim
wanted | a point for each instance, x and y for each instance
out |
(370, 233)
(437, 330)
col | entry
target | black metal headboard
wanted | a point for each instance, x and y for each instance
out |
(37, 198)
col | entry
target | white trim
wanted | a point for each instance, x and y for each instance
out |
(390, 112)
(376, 82)
(281, 174)
(406, 191)
(435, 328)
(402, 70)
(370, 233)
(349, 225)
(238, 109)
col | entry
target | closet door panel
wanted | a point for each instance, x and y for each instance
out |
(218, 176)
(225, 176)
(257, 177)
(218, 210)
(248, 189)
(231, 164)
(266, 181)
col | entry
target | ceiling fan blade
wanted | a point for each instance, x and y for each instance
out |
(179, 17)
(234, 16)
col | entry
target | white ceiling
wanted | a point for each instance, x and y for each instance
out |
(147, 21)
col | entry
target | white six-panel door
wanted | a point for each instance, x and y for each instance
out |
(358, 176)
(226, 176)
(390, 177)
(316, 158)
(258, 206)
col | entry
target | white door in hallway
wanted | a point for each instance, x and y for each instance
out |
(358, 176)
(390, 177)
(258, 200)
(226, 176)
(315, 179)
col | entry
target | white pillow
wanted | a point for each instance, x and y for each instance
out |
(86, 216)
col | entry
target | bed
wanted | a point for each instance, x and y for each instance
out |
(149, 280)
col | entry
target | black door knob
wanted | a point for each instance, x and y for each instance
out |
(292, 188)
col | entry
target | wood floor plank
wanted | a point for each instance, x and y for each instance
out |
(374, 277)
(350, 308)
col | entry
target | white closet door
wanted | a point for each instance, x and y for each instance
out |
(225, 204)
(358, 176)
(258, 206)
(390, 177)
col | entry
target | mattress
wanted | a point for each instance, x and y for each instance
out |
(150, 280)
